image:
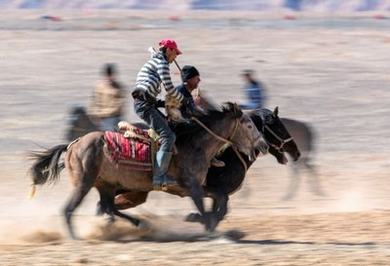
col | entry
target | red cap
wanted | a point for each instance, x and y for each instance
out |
(169, 43)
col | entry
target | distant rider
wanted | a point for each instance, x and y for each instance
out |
(108, 99)
(254, 91)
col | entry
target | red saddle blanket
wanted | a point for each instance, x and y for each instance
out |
(135, 153)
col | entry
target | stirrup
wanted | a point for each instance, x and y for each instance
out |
(164, 184)
(158, 187)
(168, 182)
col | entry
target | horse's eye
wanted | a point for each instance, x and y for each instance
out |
(250, 126)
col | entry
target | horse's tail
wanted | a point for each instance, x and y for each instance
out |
(46, 166)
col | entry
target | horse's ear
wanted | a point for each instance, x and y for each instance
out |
(237, 110)
(276, 111)
(233, 108)
(228, 106)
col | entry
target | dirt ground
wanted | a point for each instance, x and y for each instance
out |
(331, 73)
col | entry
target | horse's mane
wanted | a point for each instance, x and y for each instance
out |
(188, 132)
(259, 117)
(264, 113)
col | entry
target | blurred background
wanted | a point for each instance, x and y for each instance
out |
(324, 63)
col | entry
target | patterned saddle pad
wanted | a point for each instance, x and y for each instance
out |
(135, 152)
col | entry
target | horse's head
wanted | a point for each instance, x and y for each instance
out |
(79, 123)
(276, 134)
(246, 137)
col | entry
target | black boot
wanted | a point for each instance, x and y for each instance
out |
(161, 180)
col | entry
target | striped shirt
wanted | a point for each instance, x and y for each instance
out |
(153, 73)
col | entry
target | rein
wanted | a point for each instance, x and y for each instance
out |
(241, 159)
(227, 141)
(282, 141)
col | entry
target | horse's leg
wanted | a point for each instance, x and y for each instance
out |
(83, 168)
(216, 216)
(294, 181)
(197, 195)
(77, 196)
(219, 209)
(103, 206)
(115, 211)
(109, 195)
(196, 217)
(221, 205)
(130, 199)
(313, 180)
(131, 219)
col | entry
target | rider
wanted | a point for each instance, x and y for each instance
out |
(191, 78)
(108, 99)
(254, 90)
(154, 72)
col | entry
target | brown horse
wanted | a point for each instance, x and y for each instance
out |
(89, 167)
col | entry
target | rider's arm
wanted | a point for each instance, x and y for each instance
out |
(165, 76)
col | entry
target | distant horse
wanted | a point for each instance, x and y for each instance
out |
(304, 137)
(224, 181)
(79, 123)
(197, 143)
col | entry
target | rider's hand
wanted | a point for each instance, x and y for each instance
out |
(160, 103)
(197, 100)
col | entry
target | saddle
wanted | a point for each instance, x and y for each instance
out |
(131, 147)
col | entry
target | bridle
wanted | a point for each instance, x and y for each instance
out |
(281, 140)
(226, 141)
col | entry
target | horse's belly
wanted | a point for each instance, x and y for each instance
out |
(125, 175)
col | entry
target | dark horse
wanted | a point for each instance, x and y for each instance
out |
(197, 143)
(79, 123)
(223, 181)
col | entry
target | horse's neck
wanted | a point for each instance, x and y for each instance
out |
(224, 129)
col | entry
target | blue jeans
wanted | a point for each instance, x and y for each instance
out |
(147, 110)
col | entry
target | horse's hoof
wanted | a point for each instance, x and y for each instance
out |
(143, 225)
(110, 219)
(74, 237)
(169, 186)
(210, 228)
(234, 234)
(99, 211)
(194, 218)
(211, 223)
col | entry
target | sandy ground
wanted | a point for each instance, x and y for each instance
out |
(335, 78)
